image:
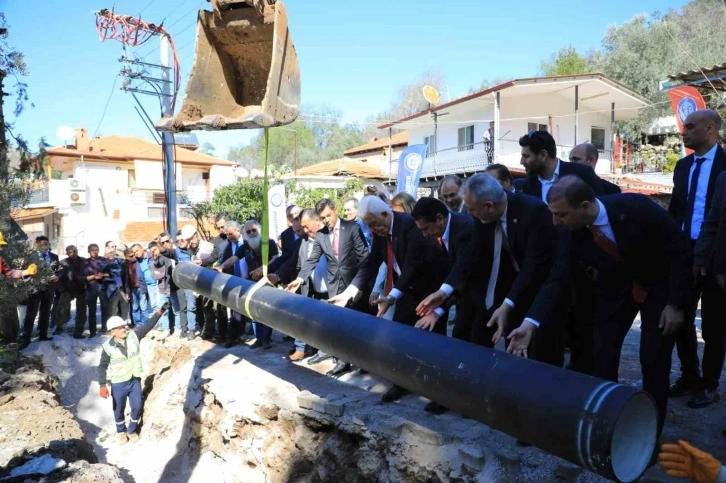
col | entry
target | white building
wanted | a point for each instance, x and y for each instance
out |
(575, 109)
(112, 187)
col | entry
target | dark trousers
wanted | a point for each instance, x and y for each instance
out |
(262, 331)
(63, 312)
(579, 330)
(185, 308)
(39, 302)
(614, 316)
(209, 317)
(119, 392)
(713, 331)
(222, 314)
(92, 299)
(405, 313)
(237, 324)
(116, 304)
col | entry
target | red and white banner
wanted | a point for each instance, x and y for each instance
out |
(685, 100)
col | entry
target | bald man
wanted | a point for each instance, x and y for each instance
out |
(587, 154)
(694, 182)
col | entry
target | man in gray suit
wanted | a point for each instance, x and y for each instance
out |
(343, 246)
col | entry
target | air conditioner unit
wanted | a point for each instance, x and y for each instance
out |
(78, 185)
(77, 198)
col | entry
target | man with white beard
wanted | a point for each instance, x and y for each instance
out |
(251, 255)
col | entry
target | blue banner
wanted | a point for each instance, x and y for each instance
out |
(410, 164)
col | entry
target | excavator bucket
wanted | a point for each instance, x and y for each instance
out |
(245, 72)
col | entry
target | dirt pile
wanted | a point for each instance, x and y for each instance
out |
(37, 434)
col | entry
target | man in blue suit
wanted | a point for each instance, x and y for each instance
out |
(639, 262)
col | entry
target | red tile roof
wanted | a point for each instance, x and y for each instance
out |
(342, 167)
(126, 148)
(398, 139)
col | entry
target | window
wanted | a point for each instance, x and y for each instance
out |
(466, 138)
(533, 126)
(132, 178)
(158, 198)
(430, 143)
(155, 213)
(597, 138)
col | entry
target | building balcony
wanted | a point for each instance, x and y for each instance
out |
(474, 158)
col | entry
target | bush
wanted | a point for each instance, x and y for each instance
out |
(671, 160)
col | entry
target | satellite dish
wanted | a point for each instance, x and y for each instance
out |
(431, 95)
(65, 134)
(241, 172)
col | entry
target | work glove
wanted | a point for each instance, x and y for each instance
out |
(31, 270)
(103, 392)
(684, 461)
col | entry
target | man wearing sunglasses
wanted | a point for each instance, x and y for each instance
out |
(121, 367)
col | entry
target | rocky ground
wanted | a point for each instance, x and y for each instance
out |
(250, 416)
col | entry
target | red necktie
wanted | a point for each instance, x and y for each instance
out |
(389, 265)
(608, 246)
(335, 243)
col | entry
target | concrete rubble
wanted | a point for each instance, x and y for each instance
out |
(251, 416)
(39, 438)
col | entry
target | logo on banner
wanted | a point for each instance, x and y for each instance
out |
(276, 200)
(413, 161)
(686, 106)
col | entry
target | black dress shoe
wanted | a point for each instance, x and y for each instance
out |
(266, 344)
(229, 344)
(45, 338)
(339, 369)
(706, 398)
(287, 338)
(257, 344)
(522, 443)
(318, 358)
(393, 394)
(435, 408)
(78, 337)
(682, 387)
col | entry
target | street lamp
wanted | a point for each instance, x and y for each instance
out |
(295, 158)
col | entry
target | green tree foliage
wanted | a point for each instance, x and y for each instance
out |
(241, 201)
(307, 197)
(642, 52)
(208, 148)
(566, 61)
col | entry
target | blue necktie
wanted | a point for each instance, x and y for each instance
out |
(692, 192)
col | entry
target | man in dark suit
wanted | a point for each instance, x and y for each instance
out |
(234, 247)
(315, 286)
(287, 238)
(694, 181)
(502, 174)
(453, 231)
(587, 154)
(639, 261)
(544, 168)
(42, 300)
(410, 261)
(710, 252)
(449, 191)
(503, 266)
(342, 244)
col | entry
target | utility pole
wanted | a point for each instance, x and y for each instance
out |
(4, 161)
(167, 140)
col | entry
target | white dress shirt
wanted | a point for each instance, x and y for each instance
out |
(699, 204)
(547, 183)
(603, 223)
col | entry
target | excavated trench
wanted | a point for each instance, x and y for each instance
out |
(249, 416)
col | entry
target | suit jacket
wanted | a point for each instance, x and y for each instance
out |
(531, 238)
(461, 229)
(352, 251)
(417, 258)
(226, 252)
(654, 251)
(287, 243)
(710, 240)
(679, 197)
(533, 186)
(289, 270)
(609, 188)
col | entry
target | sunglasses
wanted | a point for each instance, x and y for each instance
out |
(249, 232)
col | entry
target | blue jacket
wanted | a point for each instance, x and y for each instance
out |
(144, 273)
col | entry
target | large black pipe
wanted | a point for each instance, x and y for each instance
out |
(608, 428)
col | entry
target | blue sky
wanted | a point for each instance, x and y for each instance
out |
(353, 54)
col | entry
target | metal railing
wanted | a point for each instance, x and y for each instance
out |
(40, 195)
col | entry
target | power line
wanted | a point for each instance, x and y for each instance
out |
(147, 6)
(108, 101)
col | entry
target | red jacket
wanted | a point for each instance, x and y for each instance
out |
(8, 271)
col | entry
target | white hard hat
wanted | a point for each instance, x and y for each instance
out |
(115, 322)
(187, 232)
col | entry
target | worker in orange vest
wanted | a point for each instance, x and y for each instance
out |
(8, 271)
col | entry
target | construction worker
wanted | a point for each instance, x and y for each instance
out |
(10, 272)
(121, 366)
